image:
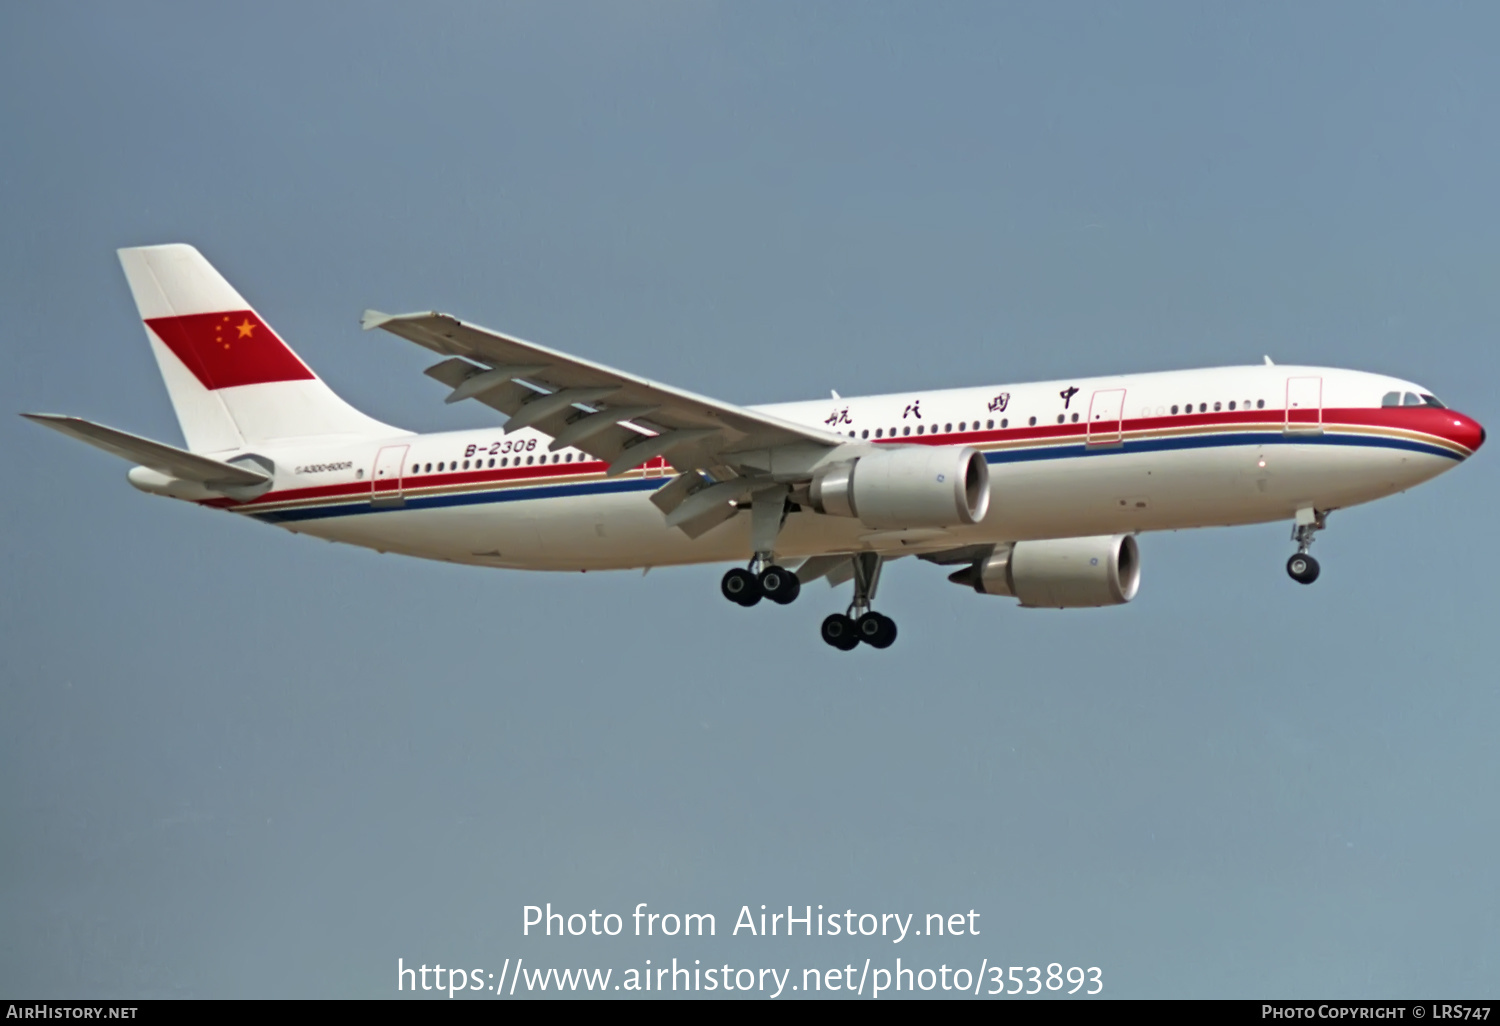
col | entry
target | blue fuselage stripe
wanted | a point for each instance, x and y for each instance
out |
(511, 494)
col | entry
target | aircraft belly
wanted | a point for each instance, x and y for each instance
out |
(1104, 494)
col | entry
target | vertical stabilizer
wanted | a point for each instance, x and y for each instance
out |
(233, 382)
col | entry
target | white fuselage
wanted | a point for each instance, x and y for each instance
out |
(1067, 458)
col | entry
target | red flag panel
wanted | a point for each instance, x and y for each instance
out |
(228, 349)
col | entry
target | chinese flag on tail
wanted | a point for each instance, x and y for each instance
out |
(228, 349)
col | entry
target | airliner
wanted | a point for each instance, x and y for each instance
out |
(1036, 492)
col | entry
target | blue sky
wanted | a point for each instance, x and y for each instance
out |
(238, 762)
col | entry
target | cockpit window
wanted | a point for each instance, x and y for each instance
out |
(1411, 399)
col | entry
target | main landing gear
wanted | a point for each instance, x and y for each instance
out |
(846, 630)
(1302, 568)
(763, 578)
(747, 585)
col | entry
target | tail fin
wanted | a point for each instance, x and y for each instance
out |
(233, 382)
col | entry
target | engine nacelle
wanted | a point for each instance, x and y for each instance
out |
(1060, 573)
(913, 486)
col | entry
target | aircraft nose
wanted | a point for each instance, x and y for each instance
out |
(1466, 431)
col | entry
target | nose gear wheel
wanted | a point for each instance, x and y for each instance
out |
(1302, 567)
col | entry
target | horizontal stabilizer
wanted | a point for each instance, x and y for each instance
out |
(167, 459)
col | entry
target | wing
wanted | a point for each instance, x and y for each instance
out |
(613, 416)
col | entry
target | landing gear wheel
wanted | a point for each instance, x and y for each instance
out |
(779, 585)
(876, 630)
(1302, 568)
(838, 631)
(740, 585)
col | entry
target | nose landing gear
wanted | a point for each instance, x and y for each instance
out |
(1302, 567)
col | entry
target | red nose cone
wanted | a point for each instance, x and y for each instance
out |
(1466, 431)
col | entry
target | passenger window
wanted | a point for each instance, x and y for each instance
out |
(1231, 404)
(1218, 407)
(1174, 407)
(866, 433)
(1060, 418)
(1033, 422)
(1260, 404)
(991, 424)
(879, 432)
(1075, 418)
(1005, 422)
(919, 429)
(906, 430)
(1203, 407)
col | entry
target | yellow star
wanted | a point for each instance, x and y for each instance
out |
(246, 328)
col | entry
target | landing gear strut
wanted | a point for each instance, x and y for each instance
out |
(861, 623)
(1302, 568)
(763, 578)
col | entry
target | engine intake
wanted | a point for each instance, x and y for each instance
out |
(1060, 573)
(913, 486)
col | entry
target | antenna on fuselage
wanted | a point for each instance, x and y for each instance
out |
(1268, 362)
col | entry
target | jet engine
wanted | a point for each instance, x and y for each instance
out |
(913, 486)
(1060, 573)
